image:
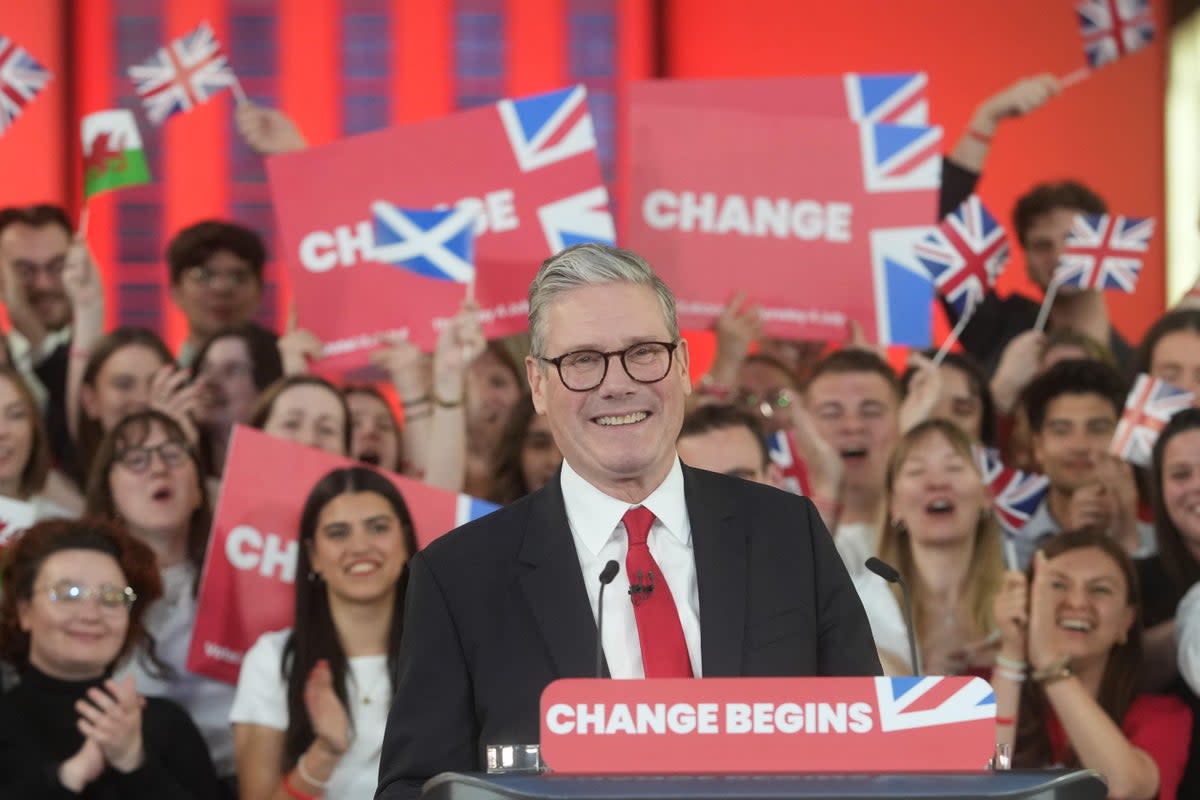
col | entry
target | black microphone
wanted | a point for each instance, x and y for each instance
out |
(606, 577)
(892, 575)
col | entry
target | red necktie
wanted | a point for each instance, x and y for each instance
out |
(664, 650)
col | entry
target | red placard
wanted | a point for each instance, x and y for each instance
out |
(528, 166)
(728, 726)
(246, 585)
(813, 217)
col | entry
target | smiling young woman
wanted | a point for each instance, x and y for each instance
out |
(320, 730)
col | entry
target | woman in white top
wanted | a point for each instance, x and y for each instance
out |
(312, 702)
(147, 475)
(24, 458)
(944, 540)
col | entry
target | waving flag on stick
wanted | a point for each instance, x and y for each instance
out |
(1111, 29)
(1016, 495)
(21, 78)
(112, 152)
(184, 74)
(1102, 252)
(964, 256)
(1148, 409)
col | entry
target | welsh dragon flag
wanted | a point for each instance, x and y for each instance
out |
(112, 152)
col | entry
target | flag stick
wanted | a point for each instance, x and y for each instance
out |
(1044, 311)
(951, 339)
(1072, 78)
(238, 94)
(1010, 552)
(471, 290)
(81, 232)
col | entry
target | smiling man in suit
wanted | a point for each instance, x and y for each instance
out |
(730, 577)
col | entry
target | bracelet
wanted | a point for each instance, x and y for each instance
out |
(416, 401)
(1006, 720)
(979, 137)
(1009, 675)
(1008, 663)
(447, 403)
(292, 791)
(303, 773)
(1055, 672)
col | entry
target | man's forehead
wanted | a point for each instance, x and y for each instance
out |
(21, 236)
(1080, 406)
(850, 386)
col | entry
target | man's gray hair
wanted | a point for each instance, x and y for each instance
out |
(592, 265)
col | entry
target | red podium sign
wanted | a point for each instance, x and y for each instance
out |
(768, 725)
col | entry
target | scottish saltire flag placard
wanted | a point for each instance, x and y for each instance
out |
(1104, 252)
(814, 218)
(435, 244)
(1148, 409)
(21, 79)
(182, 75)
(246, 587)
(519, 178)
(965, 255)
(112, 152)
(1111, 29)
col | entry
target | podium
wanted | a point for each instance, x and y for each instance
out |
(1010, 785)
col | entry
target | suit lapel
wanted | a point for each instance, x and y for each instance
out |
(721, 565)
(554, 588)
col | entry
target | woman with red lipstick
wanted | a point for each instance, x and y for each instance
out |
(942, 537)
(1067, 675)
(148, 476)
(312, 701)
(75, 600)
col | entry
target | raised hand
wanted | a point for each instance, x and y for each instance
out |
(1027, 94)
(173, 395)
(81, 282)
(1043, 648)
(297, 347)
(330, 722)
(1018, 366)
(824, 463)
(82, 768)
(112, 717)
(924, 390)
(1091, 505)
(1010, 609)
(268, 131)
(738, 327)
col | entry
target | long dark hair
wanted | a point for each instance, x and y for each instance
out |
(1118, 686)
(1184, 319)
(315, 636)
(89, 429)
(1177, 560)
(509, 483)
(133, 431)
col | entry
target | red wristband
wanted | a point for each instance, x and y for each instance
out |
(292, 791)
(1006, 720)
(979, 137)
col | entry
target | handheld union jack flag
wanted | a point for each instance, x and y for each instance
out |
(1016, 494)
(1148, 409)
(21, 78)
(1104, 252)
(436, 244)
(1113, 28)
(781, 446)
(182, 75)
(923, 702)
(965, 255)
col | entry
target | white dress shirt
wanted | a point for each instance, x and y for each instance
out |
(599, 535)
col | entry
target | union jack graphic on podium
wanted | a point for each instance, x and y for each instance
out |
(1104, 252)
(1148, 409)
(895, 99)
(1016, 494)
(900, 158)
(548, 128)
(435, 244)
(180, 76)
(965, 255)
(1114, 28)
(923, 702)
(21, 78)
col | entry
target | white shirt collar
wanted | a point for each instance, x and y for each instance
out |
(594, 515)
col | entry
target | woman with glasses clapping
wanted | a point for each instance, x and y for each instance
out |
(75, 595)
(147, 475)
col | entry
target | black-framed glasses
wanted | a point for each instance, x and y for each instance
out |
(207, 277)
(584, 370)
(137, 459)
(69, 593)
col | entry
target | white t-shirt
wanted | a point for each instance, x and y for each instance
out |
(170, 621)
(884, 614)
(262, 700)
(855, 544)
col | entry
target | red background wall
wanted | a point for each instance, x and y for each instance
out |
(1107, 131)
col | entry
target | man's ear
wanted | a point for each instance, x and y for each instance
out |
(683, 356)
(536, 374)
